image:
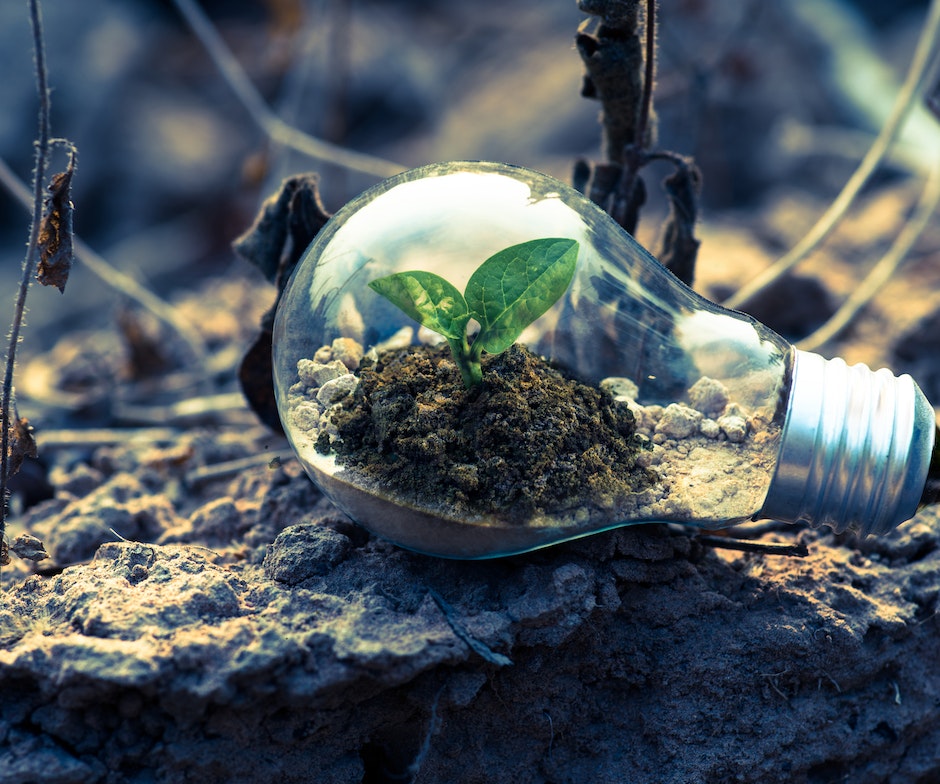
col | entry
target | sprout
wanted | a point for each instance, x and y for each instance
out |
(505, 294)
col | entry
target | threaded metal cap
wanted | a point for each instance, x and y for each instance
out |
(855, 448)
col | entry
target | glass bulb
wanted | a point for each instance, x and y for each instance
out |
(719, 419)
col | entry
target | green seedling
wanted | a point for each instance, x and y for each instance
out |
(505, 294)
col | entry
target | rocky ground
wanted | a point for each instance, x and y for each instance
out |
(206, 615)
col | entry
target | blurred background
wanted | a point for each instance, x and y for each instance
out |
(777, 102)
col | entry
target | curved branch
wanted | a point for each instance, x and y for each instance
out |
(881, 273)
(273, 126)
(920, 64)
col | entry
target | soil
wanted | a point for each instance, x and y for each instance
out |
(207, 615)
(529, 443)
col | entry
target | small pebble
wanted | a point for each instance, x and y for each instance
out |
(336, 389)
(708, 396)
(620, 388)
(316, 375)
(323, 355)
(306, 416)
(347, 351)
(678, 421)
(733, 426)
(709, 428)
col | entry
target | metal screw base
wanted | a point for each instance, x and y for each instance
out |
(855, 448)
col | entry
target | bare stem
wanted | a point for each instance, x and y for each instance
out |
(920, 65)
(798, 550)
(646, 100)
(29, 262)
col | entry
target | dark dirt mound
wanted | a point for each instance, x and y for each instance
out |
(530, 441)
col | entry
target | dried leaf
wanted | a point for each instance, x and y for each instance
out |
(22, 444)
(286, 224)
(255, 377)
(147, 354)
(275, 243)
(29, 548)
(55, 231)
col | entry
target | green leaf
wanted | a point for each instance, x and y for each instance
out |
(512, 288)
(428, 299)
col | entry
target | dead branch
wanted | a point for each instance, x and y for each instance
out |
(273, 126)
(907, 96)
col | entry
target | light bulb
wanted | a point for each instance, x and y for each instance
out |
(732, 423)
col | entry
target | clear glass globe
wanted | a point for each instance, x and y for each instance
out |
(706, 389)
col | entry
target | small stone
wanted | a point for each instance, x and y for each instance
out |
(733, 426)
(337, 388)
(709, 428)
(316, 375)
(305, 369)
(678, 421)
(708, 396)
(347, 351)
(323, 355)
(306, 416)
(646, 417)
(620, 388)
(303, 551)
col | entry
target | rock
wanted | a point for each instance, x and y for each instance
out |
(159, 658)
(733, 426)
(678, 421)
(216, 523)
(347, 351)
(306, 415)
(620, 388)
(122, 507)
(336, 389)
(303, 551)
(316, 375)
(708, 396)
(709, 428)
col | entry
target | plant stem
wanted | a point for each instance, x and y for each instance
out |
(29, 263)
(468, 363)
(646, 101)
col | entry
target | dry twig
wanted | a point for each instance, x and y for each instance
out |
(907, 96)
(882, 272)
(620, 74)
(272, 125)
(29, 262)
